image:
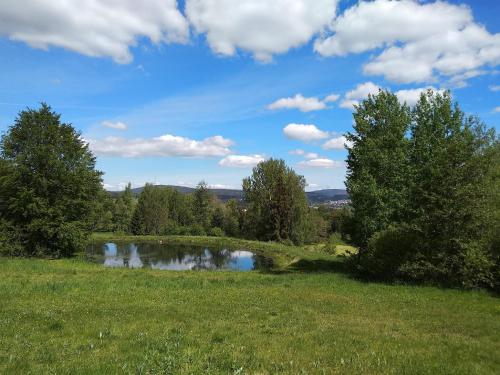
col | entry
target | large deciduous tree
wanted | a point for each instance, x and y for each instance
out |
(48, 183)
(277, 204)
(377, 164)
(424, 191)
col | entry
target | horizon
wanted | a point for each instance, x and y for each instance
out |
(170, 94)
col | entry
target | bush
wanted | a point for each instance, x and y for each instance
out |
(388, 251)
(10, 244)
(216, 232)
(172, 228)
(197, 230)
(402, 253)
(472, 267)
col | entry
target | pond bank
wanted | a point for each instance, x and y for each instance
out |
(284, 256)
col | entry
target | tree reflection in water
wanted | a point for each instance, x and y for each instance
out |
(175, 257)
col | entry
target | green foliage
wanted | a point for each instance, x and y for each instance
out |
(152, 211)
(123, 210)
(378, 165)
(203, 205)
(232, 214)
(425, 208)
(216, 232)
(48, 184)
(277, 204)
(10, 241)
(103, 213)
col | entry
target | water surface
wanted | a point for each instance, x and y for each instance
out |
(174, 257)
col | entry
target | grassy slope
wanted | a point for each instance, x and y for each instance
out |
(67, 316)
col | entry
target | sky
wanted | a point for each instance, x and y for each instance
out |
(174, 92)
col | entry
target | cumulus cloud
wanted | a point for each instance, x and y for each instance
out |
(495, 87)
(297, 152)
(117, 125)
(411, 96)
(419, 41)
(299, 102)
(306, 155)
(338, 143)
(304, 132)
(261, 27)
(496, 109)
(242, 161)
(331, 98)
(162, 146)
(321, 163)
(359, 93)
(99, 28)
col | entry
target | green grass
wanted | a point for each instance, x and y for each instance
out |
(68, 316)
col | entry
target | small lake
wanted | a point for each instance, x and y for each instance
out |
(174, 257)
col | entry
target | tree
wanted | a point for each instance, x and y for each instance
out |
(450, 159)
(231, 224)
(203, 205)
(423, 190)
(277, 204)
(377, 165)
(124, 209)
(103, 213)
(151, 214)
(48, 183)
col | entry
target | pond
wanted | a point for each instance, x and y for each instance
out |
(174, 257)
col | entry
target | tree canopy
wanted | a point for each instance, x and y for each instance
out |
(420, 182)
(276, 202)
(48, 183)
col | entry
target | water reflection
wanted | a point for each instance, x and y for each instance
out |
(174, 257)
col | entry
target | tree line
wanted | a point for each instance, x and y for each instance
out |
(51, 198)
(425, 190)
(274, 208)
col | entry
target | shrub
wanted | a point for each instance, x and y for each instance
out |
(197, 230)
(388, 250)
(10, 243)
(472, 267)
(216, 232)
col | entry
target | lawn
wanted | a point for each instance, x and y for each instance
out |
(68, 316)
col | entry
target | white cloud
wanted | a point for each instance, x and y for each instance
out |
(331, 98)
(321, 163)
(261, 27)
(496, 109)
(298, 102)
(361, 92)
(99, 28)
(221, 186)
(411, 96)
(306, 155)
(242, 161)
(338, 143)
(304, 104)
(311, 155)
(297, 152)
(495, 87)
(419, 40)
(304, 132)
(118, 125)
(162, 146)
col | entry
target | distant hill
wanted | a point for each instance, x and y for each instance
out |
(315, 197)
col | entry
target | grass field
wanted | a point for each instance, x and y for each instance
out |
(68, 316)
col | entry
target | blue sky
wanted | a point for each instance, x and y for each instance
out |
(177, 92)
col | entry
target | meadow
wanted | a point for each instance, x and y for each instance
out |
(306, 316)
